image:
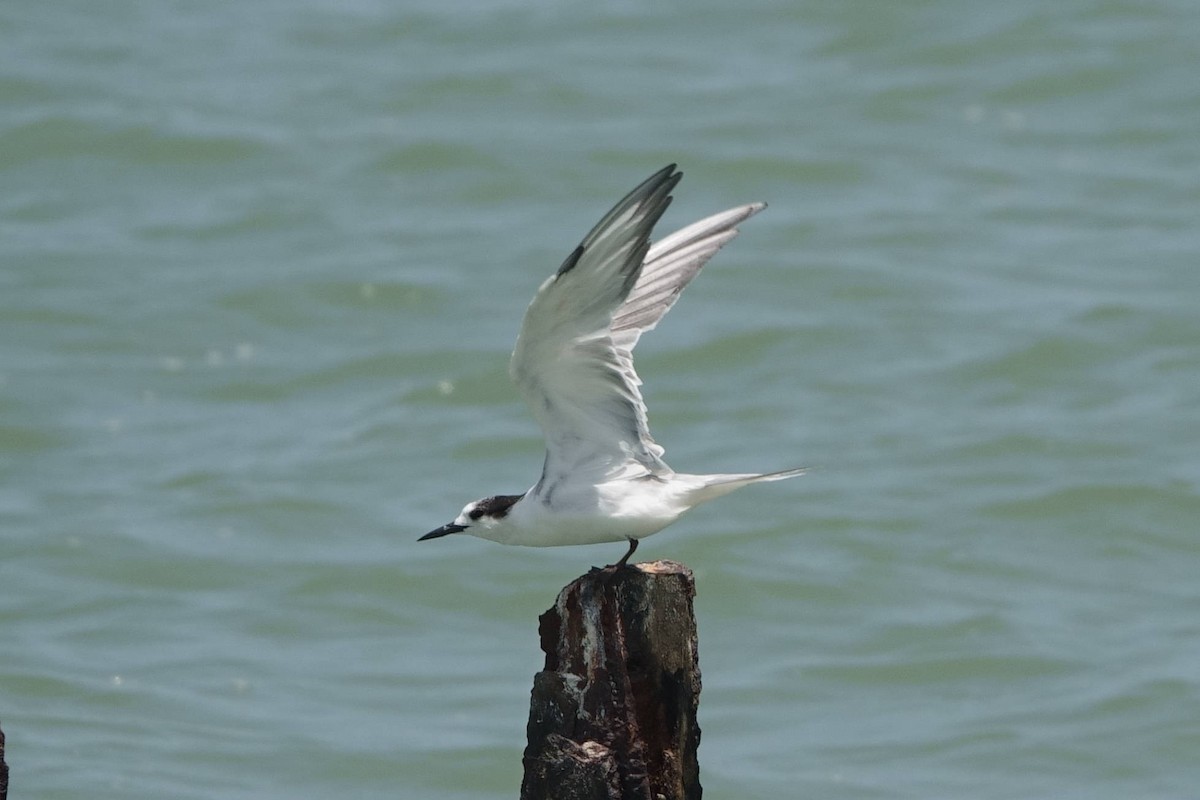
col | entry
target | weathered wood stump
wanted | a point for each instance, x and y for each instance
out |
(3, 771)
(613, 714)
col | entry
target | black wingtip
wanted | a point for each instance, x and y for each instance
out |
(571, 261)
(659, 184)
(669, 169)
(654, 194)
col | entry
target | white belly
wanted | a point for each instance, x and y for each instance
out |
(607, 513)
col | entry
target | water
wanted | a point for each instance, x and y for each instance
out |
(261, 265)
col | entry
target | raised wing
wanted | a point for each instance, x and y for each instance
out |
(670, 266)
(573, 359)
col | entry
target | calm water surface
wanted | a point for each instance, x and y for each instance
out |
(261, 265)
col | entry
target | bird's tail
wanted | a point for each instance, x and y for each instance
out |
(714, 486)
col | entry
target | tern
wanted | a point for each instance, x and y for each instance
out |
(604, 478)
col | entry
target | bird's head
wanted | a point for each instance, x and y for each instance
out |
(478, 517)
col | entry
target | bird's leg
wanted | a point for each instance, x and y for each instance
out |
(633, 543)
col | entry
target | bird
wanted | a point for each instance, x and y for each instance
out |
(604, 478)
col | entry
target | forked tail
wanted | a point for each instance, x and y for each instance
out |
(715, 486)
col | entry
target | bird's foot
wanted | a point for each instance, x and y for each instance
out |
(624, 562)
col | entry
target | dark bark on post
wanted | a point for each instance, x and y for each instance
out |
(613, 714)
(3, 771)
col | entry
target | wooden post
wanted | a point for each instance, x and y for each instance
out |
(3, 771)
(613, 714)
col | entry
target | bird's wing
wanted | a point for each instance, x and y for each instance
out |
(670, 266)
(573, 359)
(581, 388)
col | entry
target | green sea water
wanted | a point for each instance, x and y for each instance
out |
(261, 268)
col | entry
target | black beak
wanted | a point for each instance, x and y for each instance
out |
(443, 531)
